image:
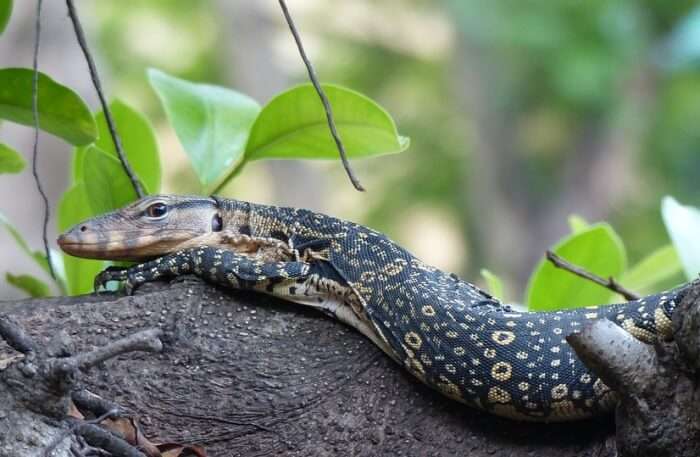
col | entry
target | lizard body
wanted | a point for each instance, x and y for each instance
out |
(448, 333)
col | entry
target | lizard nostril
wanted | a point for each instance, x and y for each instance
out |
(83, 228)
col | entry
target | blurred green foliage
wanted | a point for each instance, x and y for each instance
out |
(567, 64)
(10, 160)
(5, 12)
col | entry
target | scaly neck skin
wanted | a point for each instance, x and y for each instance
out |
(448, 333)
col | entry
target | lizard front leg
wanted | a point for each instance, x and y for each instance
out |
(222, 267)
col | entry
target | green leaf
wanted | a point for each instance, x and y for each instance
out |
(5, 13)
(212, 123)
(577, 223)
(61, 111)
(72, 209)
(29, 284)
(683, 225)
(38, 256)
(138, 141)
(106, 184)
(494, 284)
(599, 250)
(294, 125)
(10, 160)
(659, 266)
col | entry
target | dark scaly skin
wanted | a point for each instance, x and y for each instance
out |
(448, 333)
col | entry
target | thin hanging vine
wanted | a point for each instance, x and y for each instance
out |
(322, 95)
(35, 147)
(80, 35)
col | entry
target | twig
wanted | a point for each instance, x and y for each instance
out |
(609, 283)
(322, 95)
(102, 439)
(88, 401)
(74, 428)
(147, 341)
(15, 336)
(35, 148)
(80, 35)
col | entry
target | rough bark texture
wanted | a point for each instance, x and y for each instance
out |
(659, 411)
(246, 375)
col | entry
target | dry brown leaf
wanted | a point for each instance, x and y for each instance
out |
(74, 412)
(129, 430)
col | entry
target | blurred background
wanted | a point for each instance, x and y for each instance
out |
(520, 113)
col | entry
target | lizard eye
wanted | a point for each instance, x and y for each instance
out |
(157, 210)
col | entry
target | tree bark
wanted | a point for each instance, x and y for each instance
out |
(245, 375)
(659, 412)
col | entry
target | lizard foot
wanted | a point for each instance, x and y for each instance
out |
(115, 273)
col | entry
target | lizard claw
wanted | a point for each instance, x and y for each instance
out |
(129, 287)
(111, 273)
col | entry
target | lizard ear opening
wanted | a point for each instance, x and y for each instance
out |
(216, 224)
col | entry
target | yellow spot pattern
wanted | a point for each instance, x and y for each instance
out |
(428, 310)
(501, 371)
(498, 395)
(503, 337)
(413, 340)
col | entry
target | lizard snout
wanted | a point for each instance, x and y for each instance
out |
(72, 236)
(78, 240)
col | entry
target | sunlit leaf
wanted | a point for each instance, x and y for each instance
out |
(494, 284)
(29, 284)
(683, 225)
(107, 186)
(11, 161)
(294, 125)
(661, 265)
(597, 249)
(212, 123)
(72, 209)
(138, 142)
(61, 111)
(5, 13)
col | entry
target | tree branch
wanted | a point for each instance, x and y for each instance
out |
(239, 365)
(146, 341)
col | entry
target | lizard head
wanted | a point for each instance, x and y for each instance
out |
(150, 227)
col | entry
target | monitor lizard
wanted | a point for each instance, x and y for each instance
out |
(448, 333)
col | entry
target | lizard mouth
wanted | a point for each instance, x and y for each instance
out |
(109, 250)
(105, 247)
